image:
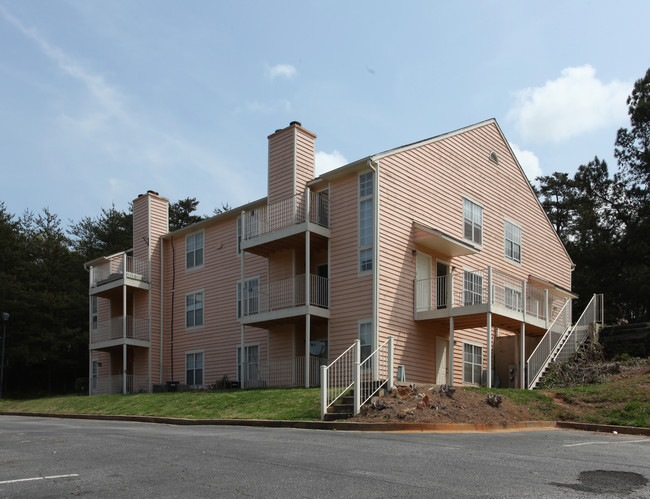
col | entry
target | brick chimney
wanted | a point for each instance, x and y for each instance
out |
(291, 161)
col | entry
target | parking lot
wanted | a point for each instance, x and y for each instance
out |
(43, 457)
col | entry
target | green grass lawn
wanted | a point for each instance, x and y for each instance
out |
(279, 404)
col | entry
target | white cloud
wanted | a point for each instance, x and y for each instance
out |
(282, 71)
(575, 103)
(528, 161)
(328, 161)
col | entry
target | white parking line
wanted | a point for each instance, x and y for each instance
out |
(608, 443)
(38, 478)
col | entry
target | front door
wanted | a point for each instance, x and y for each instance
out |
(442, 369)
(422, 282)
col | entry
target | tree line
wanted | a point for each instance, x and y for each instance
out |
(603, 219)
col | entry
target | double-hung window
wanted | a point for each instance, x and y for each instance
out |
(194, 309)
(472, 288)
(365, 338)
(239, 235)
(512, 242)
(194, 369)
(472, 222)
(248, 302)
(194, 250)
(472, 363)
(365, 222)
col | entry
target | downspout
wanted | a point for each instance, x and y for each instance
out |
(375, 256)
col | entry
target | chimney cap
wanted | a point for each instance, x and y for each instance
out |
(152, 192)
(297, 123)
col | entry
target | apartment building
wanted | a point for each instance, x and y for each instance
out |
(440, 244)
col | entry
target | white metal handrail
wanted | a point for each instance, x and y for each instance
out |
(285, 293)
(375, 372)
(591, 315)
(338, 377)
(544, 350)
(114, 384)
(289, 372)
(114, 269)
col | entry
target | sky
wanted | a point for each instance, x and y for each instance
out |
(103, 100)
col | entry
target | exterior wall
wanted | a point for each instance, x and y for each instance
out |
(217, 278)
(427, 184)
(350, 292)
(291, 161)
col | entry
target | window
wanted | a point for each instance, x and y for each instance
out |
(472, 222)
(194, 250)
(93, 304)
(472, 288)
(365, 221)
(472, 363)
(194, 369)
(251, 299)
(512, 298)
(365, 338)
(194, 309)
(512, 242)
(252, 363)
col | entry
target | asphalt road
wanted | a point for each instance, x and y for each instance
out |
(42, 457)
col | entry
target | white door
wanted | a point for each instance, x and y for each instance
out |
(422, 282)
(442, 371)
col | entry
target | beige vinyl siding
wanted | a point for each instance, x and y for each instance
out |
(305, 153)
(427, 184)
(350, 295)
(158, 228)
(220, 333)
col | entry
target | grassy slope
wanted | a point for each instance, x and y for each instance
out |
(624, 400)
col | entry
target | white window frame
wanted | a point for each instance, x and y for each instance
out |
(472, 363)
(190, 242)
(472, 296)
(194, 308)
(510, 293)
(475, 220)
(366, 250)
(368, 346)
(194, 368)
(94, 322)
(255, 299)
(256, 372)
(513, 243)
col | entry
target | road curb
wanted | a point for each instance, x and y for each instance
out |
(353, 425)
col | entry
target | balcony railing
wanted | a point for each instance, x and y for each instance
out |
(136, 328)
(283, 373)
(285, 213)
(114, 384)
(117, 267)
(285, 293)
(467, 288)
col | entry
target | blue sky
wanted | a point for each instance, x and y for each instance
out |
(103, 100)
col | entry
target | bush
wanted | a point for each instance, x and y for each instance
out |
(81, 385)
(221, 384)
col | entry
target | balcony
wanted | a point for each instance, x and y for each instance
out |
(265, 228)
(117, 270)
(111, 332)
(114, 384)
(283, 299)
(469, 295)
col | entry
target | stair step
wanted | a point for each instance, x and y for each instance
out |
(334, 416)
(342, 408)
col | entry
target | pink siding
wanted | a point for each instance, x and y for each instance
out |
(427, 184)
(305, 154)
(281, 183)
(350, 294)
(220, 334)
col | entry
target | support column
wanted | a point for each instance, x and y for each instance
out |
(546, 317)
(242, 339)
(307, 300)
(124, 328)
(489, 350)
(451, 351)
(522, 358)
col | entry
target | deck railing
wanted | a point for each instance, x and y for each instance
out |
(547, 346)
(285, 293)
(113, 328)
(365, 378)
(114, 384)
(467, 288)
(285, 213)
(117, 267)
(284, 372)
(592, 315)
